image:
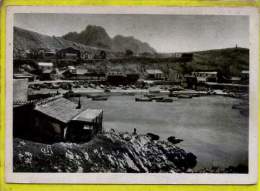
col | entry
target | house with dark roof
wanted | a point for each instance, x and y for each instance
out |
(69, 53)
(59, 119)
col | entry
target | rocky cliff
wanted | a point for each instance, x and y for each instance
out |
(97, 36)
(92, 36)
(107, 152)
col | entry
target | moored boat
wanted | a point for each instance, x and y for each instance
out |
(165, 100)
(99, 98)
(184, 96)
(143, 99)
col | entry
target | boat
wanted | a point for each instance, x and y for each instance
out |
(176, 88)
(157, 98)
(184, 96)
(150, 95)
(165, 100)
(99, 98)
(107, 90)
(154, 91)
(143, 99)
(173, 95)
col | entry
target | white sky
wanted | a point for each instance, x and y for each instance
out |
(165, 33)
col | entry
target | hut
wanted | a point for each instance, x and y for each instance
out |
(60, 119)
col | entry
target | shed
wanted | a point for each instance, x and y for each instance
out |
(61, 119)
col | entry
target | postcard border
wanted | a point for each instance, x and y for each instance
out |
(160, 178)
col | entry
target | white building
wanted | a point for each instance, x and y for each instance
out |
(154, 74)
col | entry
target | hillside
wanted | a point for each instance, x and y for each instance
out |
(121, 43)
(229, 61)
(97, 36)
(26, 40)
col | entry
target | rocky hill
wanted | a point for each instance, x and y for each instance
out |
(92, 36)
(123, 43)
(26, 40)
(97, 36)
(107, 152)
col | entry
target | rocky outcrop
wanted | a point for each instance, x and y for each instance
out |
(98, 37)
(92, 36)
(107, 152)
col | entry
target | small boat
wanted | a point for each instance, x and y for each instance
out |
(99, 98)
(107, 90)
(165, 100)
(157, 98)
(195, 95)
(150, 95)
(143, 99)
(154, 91)
(176, 88)
(184, 96)
(173, 95)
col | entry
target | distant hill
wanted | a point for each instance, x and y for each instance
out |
(229, 61)
(92, 36)
(97, 36)
(120, 43)
(26, 40)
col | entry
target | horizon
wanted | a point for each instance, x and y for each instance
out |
(190, 33)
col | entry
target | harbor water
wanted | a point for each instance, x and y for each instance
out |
(210, 128)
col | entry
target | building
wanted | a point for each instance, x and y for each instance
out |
(154, 74)
(244, 76)
(59, 119)
(72, 70)
(20, 91)
(206, 76)
(44, 69)
(73, 73)
(132, 77)
(69, 53)
(28, 76)
(116, 78)
(235, 80)
(190, 82)
(175, 76)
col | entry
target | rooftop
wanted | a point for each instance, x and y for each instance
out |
(88, 115)
(154, 71)
(60, 109)
(45, 64)
(206, 72)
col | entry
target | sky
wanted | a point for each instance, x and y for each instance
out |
(165, 33)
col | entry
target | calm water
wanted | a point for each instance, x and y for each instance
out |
(210, 128)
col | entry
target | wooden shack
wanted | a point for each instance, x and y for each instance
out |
(63, 120)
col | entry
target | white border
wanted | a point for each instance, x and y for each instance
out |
(132, 178)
